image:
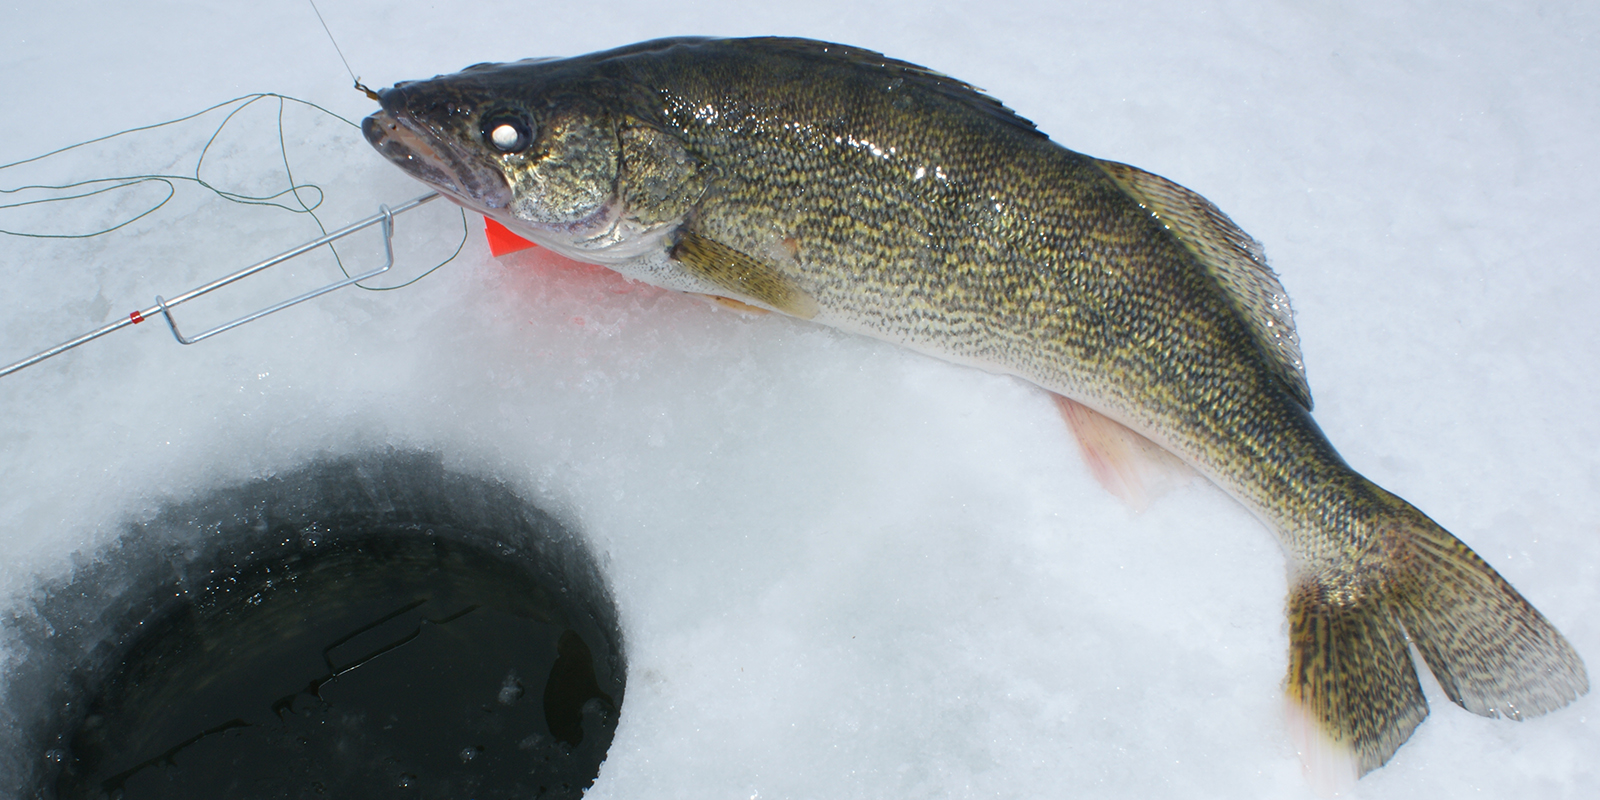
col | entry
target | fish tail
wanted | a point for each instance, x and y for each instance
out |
(1351, 683)
(1353, 693)
(1492, 651)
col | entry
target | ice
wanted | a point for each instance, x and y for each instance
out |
(845, 570)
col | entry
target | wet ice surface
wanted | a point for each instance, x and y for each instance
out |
(844, 569)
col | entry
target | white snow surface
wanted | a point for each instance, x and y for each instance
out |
(843, 569)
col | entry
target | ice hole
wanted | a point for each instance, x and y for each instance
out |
(366, 627)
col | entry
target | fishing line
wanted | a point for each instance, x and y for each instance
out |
(353, 79)
(242, 102)
(371, 95)
(336, 48)
(299, 198)
(289, 199)
(125, 181)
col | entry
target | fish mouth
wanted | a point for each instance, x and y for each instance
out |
(437, 162)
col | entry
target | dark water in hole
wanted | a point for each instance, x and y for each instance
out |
(394, 665)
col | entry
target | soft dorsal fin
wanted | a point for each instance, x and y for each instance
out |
(744, 276)
(1234, 259)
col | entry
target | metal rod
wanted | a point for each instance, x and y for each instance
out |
(385, 217)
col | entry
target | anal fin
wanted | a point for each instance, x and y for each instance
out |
(1125, 463)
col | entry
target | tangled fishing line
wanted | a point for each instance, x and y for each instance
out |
(299, 198)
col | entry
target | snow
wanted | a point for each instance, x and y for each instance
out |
(843, 569)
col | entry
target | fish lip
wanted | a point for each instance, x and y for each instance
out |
(436, 161)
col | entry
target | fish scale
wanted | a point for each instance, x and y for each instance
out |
(882, 198)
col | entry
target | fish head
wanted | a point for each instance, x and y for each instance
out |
(536, 145)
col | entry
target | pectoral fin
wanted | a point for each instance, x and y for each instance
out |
(744, 276)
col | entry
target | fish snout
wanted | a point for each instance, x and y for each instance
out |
(436, 162)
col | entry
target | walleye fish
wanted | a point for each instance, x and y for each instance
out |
(840, 186)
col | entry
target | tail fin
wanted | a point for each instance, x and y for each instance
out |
(1351, 679)
(1492, 651)
(1354, 696)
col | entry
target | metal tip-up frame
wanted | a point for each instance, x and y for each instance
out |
(384, 217)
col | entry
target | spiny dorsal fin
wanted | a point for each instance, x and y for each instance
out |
(742, 275)
(1234, 259)
(939, 83)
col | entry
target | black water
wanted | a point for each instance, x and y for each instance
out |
(389, 647)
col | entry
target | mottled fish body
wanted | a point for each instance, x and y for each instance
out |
(834, 184)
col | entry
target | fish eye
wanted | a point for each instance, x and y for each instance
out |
(507, 133)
